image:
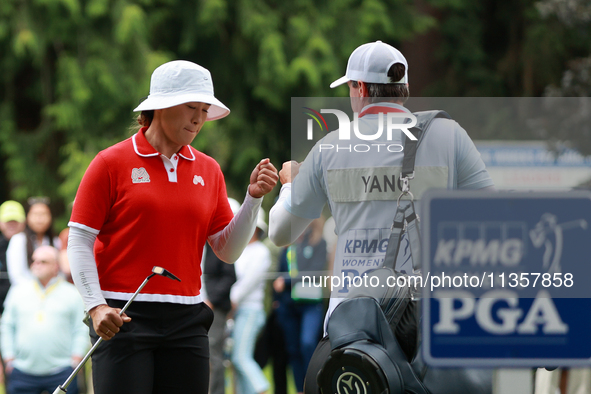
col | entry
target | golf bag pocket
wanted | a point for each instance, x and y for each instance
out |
(365, 356)
(400, 308)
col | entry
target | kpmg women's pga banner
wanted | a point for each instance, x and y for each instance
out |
(506, 278)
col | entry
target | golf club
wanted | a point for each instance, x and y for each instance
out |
(155, 271)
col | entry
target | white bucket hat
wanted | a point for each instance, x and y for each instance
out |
(370, 63)
(180, 82)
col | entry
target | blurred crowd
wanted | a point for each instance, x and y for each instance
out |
(263, 315)
(42, 334)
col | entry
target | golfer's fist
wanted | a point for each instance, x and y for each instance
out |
(263, 179)
(106, 320)
(289, 171)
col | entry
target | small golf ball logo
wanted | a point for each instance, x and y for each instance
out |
(350, 383)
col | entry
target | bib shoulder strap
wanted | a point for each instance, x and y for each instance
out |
(424, 119)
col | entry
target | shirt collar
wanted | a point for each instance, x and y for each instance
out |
(384, 107)
(52, 282)
(142, 147)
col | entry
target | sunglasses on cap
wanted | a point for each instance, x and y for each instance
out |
(38, 200)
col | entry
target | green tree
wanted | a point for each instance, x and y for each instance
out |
(574, 16)
(501, 48)
(72, 71)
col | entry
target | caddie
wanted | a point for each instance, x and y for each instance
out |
(362, 188)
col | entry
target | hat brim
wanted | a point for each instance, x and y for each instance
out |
(217, 110)
(9, 217)
(340, 81)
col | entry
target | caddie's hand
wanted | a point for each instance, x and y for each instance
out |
(289, 170)
(263, 179)
(106, 320)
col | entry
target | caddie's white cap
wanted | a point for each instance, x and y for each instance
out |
(180, 82)
(370, 63)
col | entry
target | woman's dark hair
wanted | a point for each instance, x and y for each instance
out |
(392, 89)
(144, 119)
(32, 236)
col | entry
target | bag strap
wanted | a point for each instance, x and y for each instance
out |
(424, 119)
(405, 218)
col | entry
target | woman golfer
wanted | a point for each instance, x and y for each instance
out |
(154, 200)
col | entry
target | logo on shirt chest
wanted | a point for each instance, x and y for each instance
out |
(140, 175)
(197, 179)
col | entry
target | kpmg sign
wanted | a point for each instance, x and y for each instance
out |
(511, 274)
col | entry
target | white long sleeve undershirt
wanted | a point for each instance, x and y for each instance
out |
(285, 227)
(227, 244)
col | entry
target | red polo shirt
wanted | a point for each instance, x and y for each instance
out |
(146, 212)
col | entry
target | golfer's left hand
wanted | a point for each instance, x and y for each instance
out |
(263, 179)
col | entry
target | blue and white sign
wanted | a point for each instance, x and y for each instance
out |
(530, 165)
(506, 279)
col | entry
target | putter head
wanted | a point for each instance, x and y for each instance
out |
(161, 271)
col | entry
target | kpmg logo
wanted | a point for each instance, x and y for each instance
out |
(386, 122)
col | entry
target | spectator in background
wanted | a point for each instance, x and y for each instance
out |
(63, 261)
(247, 297)
(301, 308)
(12, 222)
(218, 278)
(38, 231)
(42, 333)
(270, 347)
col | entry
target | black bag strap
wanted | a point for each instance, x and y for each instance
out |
(405, 218)
(401, 217)
(424, 119)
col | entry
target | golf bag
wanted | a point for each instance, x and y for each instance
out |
(374, 334)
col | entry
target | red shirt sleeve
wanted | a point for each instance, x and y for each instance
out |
(93, 199)
(223, 213)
